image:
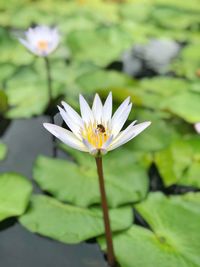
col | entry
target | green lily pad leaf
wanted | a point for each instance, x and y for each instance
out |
(190, 201)
(168, 16)
(158, 135)
(3, 151)
(3, 102)
(170, 242)
(126, 182)
(15, 191)
(184, 105)
(7, 70)
(70, 224)
(101, 79)
(12, 51)
(107, 44)
(27, 92)
(180, 162)
(188, 64)
(136, 11)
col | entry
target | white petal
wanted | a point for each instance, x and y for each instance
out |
(120, 110)
(92, 150)
(124, 138)
(117, 125)
(74, 127)
(197, 127)
(65, 136)
(73, 114)
(107, 108)
(86, 112)
(27, 45)
(107, 143)
(97, 108)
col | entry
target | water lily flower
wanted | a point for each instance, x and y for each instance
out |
(41, 40)
(96, 131)
(197, 127)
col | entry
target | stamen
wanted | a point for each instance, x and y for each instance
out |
(42, 45)
(95, 134)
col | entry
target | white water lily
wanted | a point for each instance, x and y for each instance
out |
(96, 131)
(197, 127)
(41, 40)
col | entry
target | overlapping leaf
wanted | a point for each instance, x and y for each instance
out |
(71, 224)
(174, 237)
(77, 183)
(15, 191)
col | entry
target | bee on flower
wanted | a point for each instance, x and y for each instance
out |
(96, 131)
(41, 40)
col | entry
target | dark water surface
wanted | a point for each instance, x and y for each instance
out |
(26, 139)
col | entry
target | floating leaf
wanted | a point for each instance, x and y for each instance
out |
(125, 181)
(179, 163)
(170, 243)
(101, 79)
(3, 101)
(27, 92)
(71, 224)
(187, 64)
(107, 44)
(15, 191)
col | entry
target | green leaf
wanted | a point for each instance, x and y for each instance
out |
(187, 64)
(71, 224)
(180, 162)
(101, 79)
(12, 51)
(126, 182)
(15, 191)
(3, 151)
(3, 102)
(185, 105)
(27, 91)
(157, 136)
(173, 239)
(107, 44)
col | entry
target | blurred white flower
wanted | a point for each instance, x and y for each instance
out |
(197, 127)
(96, 131)
(41, 40)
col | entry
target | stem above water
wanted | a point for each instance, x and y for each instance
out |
(50, 96)
(108, 233)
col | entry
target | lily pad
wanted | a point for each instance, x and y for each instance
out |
(15, 191)
(108, 42)
(170, 242)
(70, 224)
(4, 101)
(184, 105)
(180, 162)
(126, 181)
(188, 64)
(158, 136)
(101, 79)
(27, 92)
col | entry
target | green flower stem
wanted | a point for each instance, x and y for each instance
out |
(50, 95)
(108, 233)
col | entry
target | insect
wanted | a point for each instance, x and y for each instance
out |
(101, 128)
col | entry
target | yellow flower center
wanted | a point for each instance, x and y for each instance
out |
(95, 134)
(42, 45)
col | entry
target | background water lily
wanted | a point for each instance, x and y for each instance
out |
(197, 127)
(41, 40)
(96, 131)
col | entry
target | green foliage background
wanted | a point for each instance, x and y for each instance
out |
(94, 34)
